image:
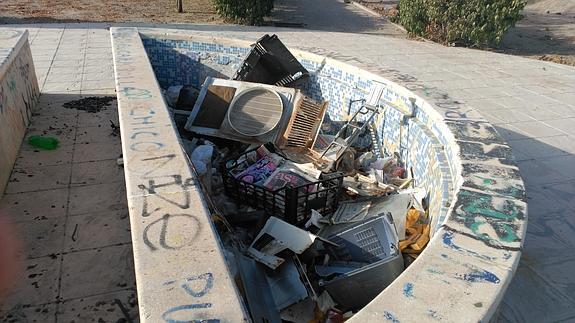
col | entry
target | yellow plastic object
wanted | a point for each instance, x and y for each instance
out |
(422, 240)
(411, 218)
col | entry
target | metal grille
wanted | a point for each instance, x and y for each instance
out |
(255, 112)
(368, 241)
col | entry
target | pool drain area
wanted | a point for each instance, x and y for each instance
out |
(476, 236)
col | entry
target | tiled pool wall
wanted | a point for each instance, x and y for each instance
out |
(424, 142)
(18, 94)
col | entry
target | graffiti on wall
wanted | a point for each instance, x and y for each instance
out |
(18, 94)
(165, 196)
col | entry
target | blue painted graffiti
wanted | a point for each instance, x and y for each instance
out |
(408, 290)
(207, 282)
(448, 241)
(177, 309)
(390, 317)
(479, 275)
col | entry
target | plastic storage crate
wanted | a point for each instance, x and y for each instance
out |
(270, 62)
(291, 204)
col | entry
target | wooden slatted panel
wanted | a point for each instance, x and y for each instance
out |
(308, 115)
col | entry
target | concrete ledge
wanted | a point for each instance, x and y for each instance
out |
(18, 94)
(466, 268)
(180, 268)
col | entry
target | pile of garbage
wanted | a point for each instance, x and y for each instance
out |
(315, 220)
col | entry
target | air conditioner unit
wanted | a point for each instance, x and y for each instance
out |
(256, 113)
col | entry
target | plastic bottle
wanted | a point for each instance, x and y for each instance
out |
(46, 143)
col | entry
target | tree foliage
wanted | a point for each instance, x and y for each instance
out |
(466, 22)
(250, 12)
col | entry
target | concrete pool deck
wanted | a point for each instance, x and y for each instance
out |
(531, 103)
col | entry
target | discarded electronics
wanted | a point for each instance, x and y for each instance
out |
(270, 62)
(366, 208)
(366, 261)
(277, 236)
(316, 224)
(268, 292)
(256, 113)
(280, 188)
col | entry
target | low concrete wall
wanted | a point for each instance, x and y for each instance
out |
(181, 272)
(18, 94)
(477, 198)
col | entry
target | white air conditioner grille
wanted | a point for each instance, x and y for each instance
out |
(255, 112)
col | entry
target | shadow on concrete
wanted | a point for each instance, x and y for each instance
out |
(332, 16)
(75, 235)
(542, 289)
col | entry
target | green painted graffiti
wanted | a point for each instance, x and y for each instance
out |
(479, 210)
(507, 191)
(484, 205)
(12, 85)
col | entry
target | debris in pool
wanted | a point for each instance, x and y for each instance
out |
(255, 113)
(364, 208)
(277, 236)
(318, 215)
(172, 94)
(202, 160)
(90, 104)
(181, 98)
(366, 260)
(245, 180)
(187, 98)
(270, 62)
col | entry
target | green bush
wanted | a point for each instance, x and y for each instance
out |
(465, 22)
(251, 12)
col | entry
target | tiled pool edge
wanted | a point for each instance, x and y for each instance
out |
(18, 94)
(179, 264)
(465, 270)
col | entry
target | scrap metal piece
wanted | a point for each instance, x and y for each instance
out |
(258, 293)
(303, 311)
(338, 268)
(270, 62)
(257, 114)
(367, 241)
(269, 292)
(223, 107)
(359, 210)
(372, 241)
(355, 289)
(286, 285)
(277, 236)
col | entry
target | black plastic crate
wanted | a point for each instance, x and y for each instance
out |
(270, 62)
(291, 204)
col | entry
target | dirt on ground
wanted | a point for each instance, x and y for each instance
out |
(150, 11)
(546, 32)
